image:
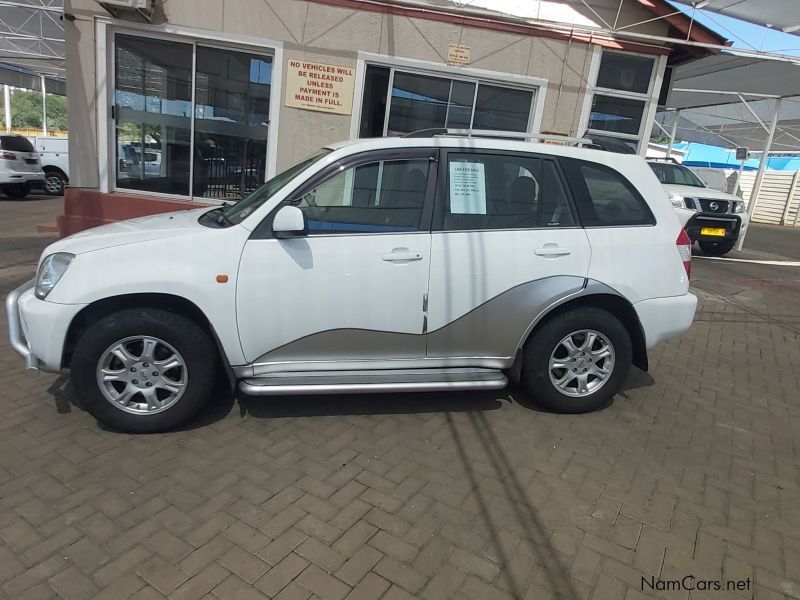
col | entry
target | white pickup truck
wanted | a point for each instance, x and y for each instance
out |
(54, 156)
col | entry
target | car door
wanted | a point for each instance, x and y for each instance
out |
(350, 293)
(506, 245)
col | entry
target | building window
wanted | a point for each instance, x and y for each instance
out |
(397, 102)
(615, 114)
(190, 131)
(621, 95)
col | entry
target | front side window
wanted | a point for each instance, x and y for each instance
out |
(378, 197)
(604, 197)
(499, 191)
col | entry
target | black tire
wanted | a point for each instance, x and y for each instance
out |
(717, 248)
(191, 341)
(535, 375)
(17, 191)
(54, 182)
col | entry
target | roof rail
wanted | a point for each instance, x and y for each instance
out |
(495, 133)
(668, 159)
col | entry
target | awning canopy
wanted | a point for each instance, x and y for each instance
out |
(779, 14)
(730, 101)
(32, 35)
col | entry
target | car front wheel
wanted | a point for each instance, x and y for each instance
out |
(576, 361)
(54, 183)
(144, 371)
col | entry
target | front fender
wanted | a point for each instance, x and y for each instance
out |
(186, 266)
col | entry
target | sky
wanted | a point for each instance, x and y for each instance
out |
(743, 34)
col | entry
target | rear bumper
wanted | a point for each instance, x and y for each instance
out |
(664, 318)
(13, 177)
(732, 224)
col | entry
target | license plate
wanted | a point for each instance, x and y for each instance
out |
(716, 231)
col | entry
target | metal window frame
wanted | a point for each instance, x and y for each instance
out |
(106, 87)
(536, 85)
(650, 97)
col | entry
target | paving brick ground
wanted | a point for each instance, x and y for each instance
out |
(692, 470)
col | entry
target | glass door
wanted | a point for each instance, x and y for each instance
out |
(190, 119)
(153, 106)
(232, 94)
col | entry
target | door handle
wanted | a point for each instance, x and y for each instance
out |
(401, 255)
(552, 251)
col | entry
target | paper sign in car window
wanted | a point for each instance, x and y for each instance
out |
(467, 188)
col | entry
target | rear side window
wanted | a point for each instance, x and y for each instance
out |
(15, 143)
(604, 197)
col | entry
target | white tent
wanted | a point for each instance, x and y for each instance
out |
(780, 14)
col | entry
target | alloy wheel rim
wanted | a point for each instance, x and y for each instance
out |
(581, 363)
(53, 183)
(142, 375)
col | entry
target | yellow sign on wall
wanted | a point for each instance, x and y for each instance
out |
(315, 86)
(458, 54)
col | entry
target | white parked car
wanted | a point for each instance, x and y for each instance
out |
(54, 156)
(713, 219)
(20, 168)
(399, 264)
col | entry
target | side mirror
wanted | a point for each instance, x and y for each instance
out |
(289, 222)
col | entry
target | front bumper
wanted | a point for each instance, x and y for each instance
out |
(15, 334)
(37, 329)
(731, 223)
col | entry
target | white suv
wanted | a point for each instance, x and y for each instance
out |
(20, 166)
(713, 219)
(400, 264)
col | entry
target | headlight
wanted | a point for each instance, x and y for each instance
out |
(50, 271)
(677, 201)
(739, 207)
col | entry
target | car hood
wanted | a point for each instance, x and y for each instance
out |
(132, 231)
(697, 192)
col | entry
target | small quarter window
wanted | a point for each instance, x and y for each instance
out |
(604, 197)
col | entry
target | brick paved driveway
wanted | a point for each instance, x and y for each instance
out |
(693, 470)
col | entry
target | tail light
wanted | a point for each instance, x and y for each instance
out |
(684, 244)
(8, 156)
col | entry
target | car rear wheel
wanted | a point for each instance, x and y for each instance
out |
(54, 182)
(17, 191)
(577, 361)
(144, 371)
(717, 248)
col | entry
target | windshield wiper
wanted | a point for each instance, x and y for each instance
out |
(221, 218)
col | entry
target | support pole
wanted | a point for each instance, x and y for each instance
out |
(673, 133)
(44, 107)
(7, 104)
(762, 165)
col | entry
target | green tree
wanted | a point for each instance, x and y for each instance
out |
(26, 110)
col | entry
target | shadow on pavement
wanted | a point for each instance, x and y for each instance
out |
(369, 404)
(536, 535)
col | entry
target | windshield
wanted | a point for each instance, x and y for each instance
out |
(245, 207)
(675, 174)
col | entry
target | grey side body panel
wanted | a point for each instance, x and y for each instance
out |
(488, 336)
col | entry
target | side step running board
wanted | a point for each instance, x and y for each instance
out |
(354, 382)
